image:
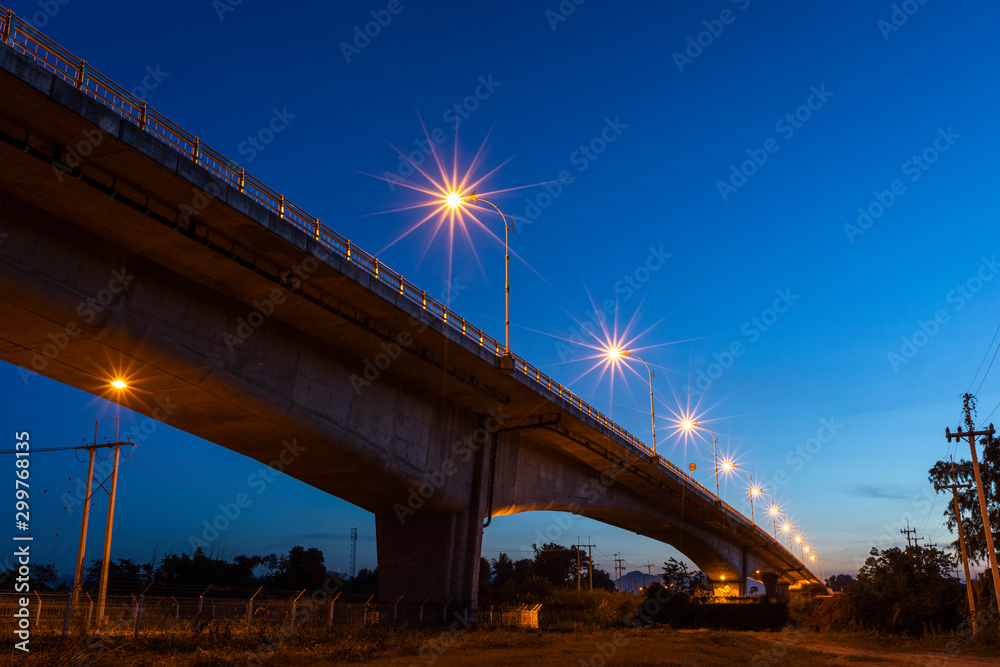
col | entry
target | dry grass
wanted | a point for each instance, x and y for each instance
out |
(389, 646)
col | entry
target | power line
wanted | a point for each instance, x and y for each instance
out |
(984, 361)
(323, 520)
(276, 495)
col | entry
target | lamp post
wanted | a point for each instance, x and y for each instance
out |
(774, 528)
(798, 540)
(616, 353)
(454, 200)
(687, 424)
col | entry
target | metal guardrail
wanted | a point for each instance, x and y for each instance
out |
(24, 38)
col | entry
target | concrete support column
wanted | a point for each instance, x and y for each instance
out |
(435, 555)
(770, 582)
(428, 556)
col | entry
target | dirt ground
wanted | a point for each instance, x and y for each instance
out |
(488, 648)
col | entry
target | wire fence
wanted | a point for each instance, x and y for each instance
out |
(27, 40)
(60, 613)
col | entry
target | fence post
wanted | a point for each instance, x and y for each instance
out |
(7, 32)
(38, 615)
(177, 612)
(250, 610)
(295, 607)
(422, 612)
(201, 604)
(138, 615)
(69, 607)
(395, 610)
(445, 616)
(332, 601)
(90, 611)
(82, 84)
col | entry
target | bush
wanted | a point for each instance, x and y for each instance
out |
(904, 591)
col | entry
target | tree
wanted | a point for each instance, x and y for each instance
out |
(42, 576)
(961, 472)
(306, 568)
(522, 570)
(557, 563)
(839, 582)
(124, 576)
(602, 580)
(680, 579)
(904, 591)
(503, 569)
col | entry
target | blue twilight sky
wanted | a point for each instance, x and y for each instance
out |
(707, 165)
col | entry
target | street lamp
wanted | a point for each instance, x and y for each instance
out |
(754, 490)
(774, 529)
(614, 353)
(798, 539)
(787, 527)
(454, 200)
(687, 424)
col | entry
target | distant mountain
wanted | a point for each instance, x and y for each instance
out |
(636, 579)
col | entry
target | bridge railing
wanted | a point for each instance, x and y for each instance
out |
(24, 38)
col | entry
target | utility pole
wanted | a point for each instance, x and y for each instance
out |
(649, 571)
(106, 561)
(78, 579)
(987, 530)
(354, 549)
(576, 548)
(618, 571)
(954, 486)
(907, 532)
(590, 559)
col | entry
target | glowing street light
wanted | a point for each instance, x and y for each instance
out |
(119, 384)
(687, 425)
(613, 354)
(774, 529)
(453, 199)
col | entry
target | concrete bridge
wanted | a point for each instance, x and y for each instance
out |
(128, 248)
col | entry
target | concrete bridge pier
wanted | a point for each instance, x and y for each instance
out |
(434, 556)
(774, 588)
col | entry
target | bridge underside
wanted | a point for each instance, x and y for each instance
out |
(235, 326)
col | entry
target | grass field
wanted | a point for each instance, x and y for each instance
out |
(487, 648)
